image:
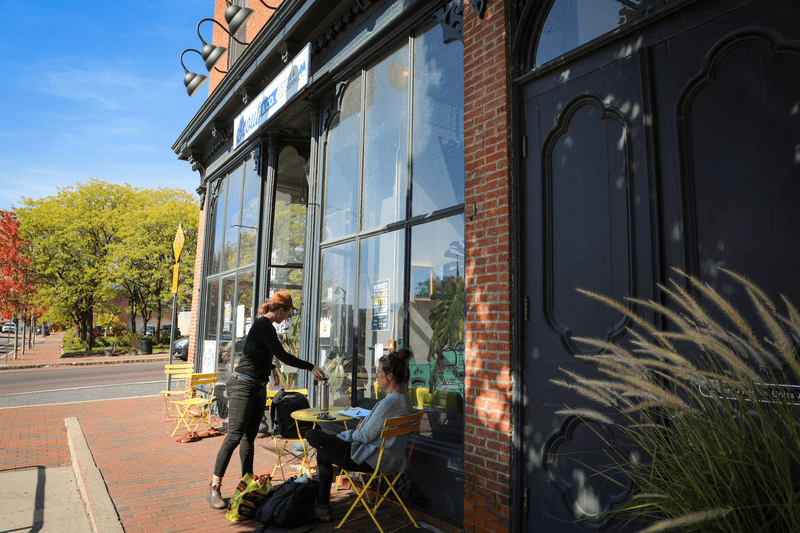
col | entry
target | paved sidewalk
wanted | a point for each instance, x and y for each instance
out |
(136, 477)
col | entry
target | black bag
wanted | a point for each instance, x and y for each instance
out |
(289, 505)
(283, 405)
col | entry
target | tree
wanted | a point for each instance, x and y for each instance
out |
(141, 262)
(69, 235)
(16, 281)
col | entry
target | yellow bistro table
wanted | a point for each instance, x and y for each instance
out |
(312, 415)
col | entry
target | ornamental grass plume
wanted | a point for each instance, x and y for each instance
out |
(714, 406)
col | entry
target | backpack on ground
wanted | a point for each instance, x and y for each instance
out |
(283, 405)
(289, 505)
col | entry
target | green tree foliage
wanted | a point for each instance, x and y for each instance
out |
(69, 235)
(91, 243)
(141, 263)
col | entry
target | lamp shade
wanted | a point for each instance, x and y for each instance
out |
(236, 16)
(212, 54)
(193, 82)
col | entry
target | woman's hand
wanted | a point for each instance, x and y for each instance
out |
(276, 377)
(318, 373)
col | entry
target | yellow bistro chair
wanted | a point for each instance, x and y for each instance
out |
(176, 372)
(284, 447)
(191, 401)
(392, 427)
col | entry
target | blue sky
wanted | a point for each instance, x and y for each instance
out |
(95, 90)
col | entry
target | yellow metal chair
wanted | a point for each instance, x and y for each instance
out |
(191, 401)
(392, 427)
(176, 372)
(284, 447)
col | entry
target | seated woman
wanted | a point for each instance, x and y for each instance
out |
(357, 450)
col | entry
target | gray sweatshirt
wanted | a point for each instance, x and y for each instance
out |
(366, 438)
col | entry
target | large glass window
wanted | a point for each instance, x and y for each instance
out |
(402, 116)
(228, 309)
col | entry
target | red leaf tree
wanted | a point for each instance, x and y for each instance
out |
(16, 281)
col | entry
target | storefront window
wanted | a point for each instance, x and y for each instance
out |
(402, 260)
(386, 150)
(228, 309)
(438, 162)
(337, 317)
(437, 310)
(341, 189)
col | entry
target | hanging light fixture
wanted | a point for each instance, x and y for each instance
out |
(210, 53)
(236, 16)
(191, 80)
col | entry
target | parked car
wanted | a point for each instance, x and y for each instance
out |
(9, 327)
(180, 350)
(150, 330)
(166, 328)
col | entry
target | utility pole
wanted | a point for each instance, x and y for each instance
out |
(177, 249)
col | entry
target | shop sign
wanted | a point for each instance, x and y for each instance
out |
(291, 80)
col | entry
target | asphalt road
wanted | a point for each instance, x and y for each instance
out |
(22, 388)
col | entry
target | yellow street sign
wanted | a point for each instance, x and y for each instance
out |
(177, 244)
(175, 271)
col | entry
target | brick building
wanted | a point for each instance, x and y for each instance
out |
(383, 159)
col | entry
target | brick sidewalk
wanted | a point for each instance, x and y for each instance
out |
(157, 485)
(47, 352)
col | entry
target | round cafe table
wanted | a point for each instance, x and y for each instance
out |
(312, 415)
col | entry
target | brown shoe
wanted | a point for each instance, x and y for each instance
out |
(215, 500)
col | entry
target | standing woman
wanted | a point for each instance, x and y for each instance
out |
(247, 388)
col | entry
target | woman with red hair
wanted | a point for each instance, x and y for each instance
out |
(247, 388)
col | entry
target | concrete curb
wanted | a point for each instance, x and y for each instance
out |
(102, 513)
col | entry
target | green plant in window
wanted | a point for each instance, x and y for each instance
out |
(447, 322)
(713, 403)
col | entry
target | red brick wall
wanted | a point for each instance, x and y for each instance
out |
(487, 132)
(254, 24)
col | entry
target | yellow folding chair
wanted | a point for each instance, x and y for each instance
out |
(284, 447)
(187, 405)
(176, 372)
(392, 427)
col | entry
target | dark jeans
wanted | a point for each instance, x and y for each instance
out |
(331, 450)
(246, 405)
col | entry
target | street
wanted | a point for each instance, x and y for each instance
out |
(56, 385)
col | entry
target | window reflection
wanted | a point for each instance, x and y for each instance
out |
(436, 334)
(380, 309)
(218, 237)
(571, 23)
(342, 166)
(386, 149)
(438, 162)
(335, 329)
(233, 218)
(251, 207)
(243, 315)
(289, 226)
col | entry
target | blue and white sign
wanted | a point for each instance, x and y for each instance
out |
(291, 80)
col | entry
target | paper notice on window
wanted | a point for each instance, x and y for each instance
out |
(325, 328)
(209, 356)
(378, 352)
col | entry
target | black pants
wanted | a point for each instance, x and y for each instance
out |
(246, 405)
(331, 450)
